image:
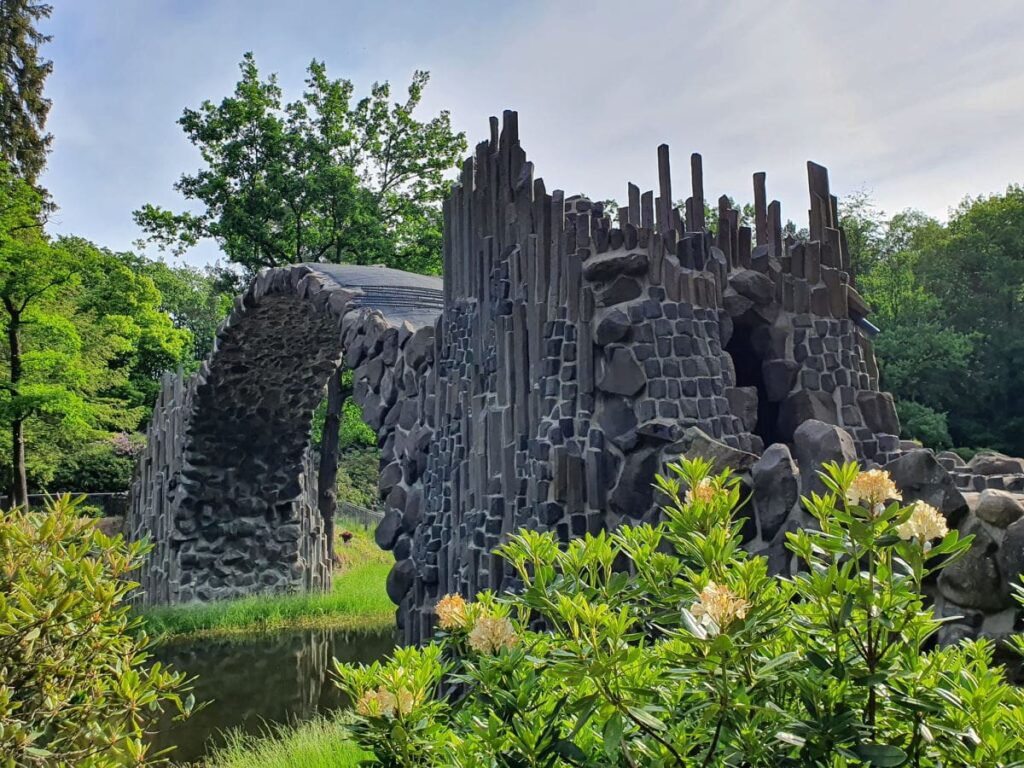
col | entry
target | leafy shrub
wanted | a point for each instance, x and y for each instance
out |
(669, 645)
(89, 510)
(919, 422)
(95, 467)
(76, 685)
(358, 477)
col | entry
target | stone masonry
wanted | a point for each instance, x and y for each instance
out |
(567, 358)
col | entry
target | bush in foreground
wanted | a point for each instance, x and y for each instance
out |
(76, 687)
(669, 645)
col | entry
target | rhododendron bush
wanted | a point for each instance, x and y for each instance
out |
(669, 645)
(77, 686)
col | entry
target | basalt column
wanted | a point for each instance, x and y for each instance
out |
(576, 354)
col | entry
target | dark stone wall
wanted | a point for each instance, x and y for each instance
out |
(576, 356)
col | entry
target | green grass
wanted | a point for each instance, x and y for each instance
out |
(318, 743)
(357, 601)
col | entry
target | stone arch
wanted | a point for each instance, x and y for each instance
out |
(241, 492)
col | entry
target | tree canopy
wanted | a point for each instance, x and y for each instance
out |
(321, 178)
(85, 340)
(948, 300)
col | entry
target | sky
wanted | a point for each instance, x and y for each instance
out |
(920, 101)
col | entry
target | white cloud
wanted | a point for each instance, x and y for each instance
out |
(920, 101)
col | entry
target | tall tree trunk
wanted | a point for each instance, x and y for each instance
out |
(327, 484)
(19, 478)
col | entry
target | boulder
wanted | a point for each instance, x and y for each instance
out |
(661, 430)
(816, 443)
(743, 404)
(622, 290)
(388, 529)
(974, 580)
(755, 286)
(779, 377)
(804, 406)
(921, 478)
(617, 420)
(695, 442)
(612, 264)
(998, 507)
(400, 580)
(993, 463)
(950, 460)
(633, 495)
(736, 305)
(621, 374)
(879, 412)
(419, 348)
(612, 327)
(1011, 553)
(390, 476)
(413, 510)
(776, 481)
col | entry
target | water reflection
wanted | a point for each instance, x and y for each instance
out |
(253, 682)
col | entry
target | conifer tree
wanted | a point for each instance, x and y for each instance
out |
(24, 141)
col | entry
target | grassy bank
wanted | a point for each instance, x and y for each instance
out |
(319, 743)
(357, 601)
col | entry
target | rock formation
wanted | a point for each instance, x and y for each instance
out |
(570, 356)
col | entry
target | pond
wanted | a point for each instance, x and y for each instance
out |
(254, 682)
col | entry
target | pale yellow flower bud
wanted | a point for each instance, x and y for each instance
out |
(719, 607)
(872, 489)
(492, 633)
(451, 612)
(383, 703)
(704, 492)
(376, 703)
(924, 524)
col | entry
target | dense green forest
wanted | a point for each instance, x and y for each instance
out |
(948, 298)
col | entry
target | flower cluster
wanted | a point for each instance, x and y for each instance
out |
(719, 606)
(487, 633)
(872, 489)
(492, 633)
(703, 492)
(451, 613)
(924, 524)
(380, 702)
(124, 445)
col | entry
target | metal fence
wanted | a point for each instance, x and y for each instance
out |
(353, 513)
(109, 504)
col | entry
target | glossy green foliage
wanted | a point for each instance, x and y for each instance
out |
(76, 685)
(669, 645)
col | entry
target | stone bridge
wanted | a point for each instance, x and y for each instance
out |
(227, 487)
(566, 358)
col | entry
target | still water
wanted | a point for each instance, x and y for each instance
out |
(252, 683)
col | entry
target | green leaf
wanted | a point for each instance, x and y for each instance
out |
(646, 718)
(613, 735)
(881, 755)
(819, 661)
(571, 752)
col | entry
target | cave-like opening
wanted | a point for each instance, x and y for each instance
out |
(748, 364)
